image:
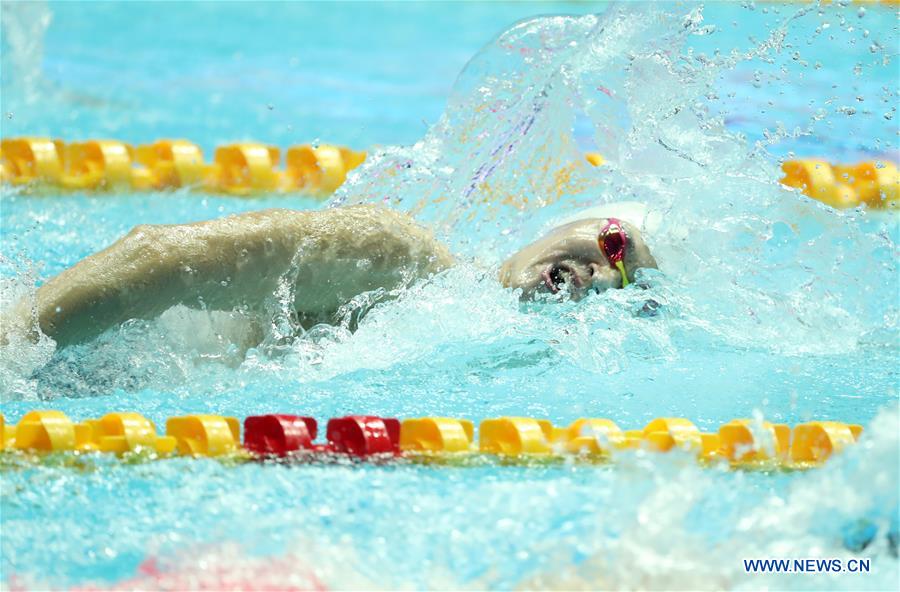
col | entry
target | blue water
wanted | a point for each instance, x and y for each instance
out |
(774, 305)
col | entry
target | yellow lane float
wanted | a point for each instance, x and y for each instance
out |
(816, 441)
(49, 431)
(515, 436)
(205, 435)
(240, 169)
(845, 186)
(436, 435)
(244, 169)
(7, 433)
(665, 433)
(31, 160)
(127, 432)
(319, 169)
(743, 440)
(592, 436)
(876, 183)
(169, 164)
(97, 165)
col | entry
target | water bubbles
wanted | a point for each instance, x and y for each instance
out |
(757, 79)
(460, 344)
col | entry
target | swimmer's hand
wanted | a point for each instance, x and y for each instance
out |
(650, 308)
(18, 323)
(320, 259)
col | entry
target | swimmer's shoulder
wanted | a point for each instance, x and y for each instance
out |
(353, 214)
(373, 218)
(349, 225)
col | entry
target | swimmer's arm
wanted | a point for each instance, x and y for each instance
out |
(151, 269)
(327, 256)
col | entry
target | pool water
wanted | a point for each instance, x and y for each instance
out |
(774, 305)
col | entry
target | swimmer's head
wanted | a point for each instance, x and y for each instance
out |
(573, 257)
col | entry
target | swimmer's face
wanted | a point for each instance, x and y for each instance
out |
(569, 257)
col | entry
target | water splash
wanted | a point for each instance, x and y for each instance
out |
(671, 539)
(756, 265)
(19, 356)
(24, 26)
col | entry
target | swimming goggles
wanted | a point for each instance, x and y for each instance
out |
(612, 241)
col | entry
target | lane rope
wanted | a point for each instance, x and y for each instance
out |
(242, 169)
(252, 168)
(740, 442)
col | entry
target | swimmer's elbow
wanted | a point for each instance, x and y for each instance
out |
(145, 232)
(146, 244)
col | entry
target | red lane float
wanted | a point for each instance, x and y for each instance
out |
(363, 435)
(355, 435)
(279, 434)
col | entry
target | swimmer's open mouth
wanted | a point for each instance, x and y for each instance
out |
(556, 274)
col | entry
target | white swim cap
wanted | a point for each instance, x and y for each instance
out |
(633, 212)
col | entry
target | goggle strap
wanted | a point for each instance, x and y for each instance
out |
(621, 267)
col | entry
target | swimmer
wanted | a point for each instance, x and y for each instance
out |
(327, 257)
